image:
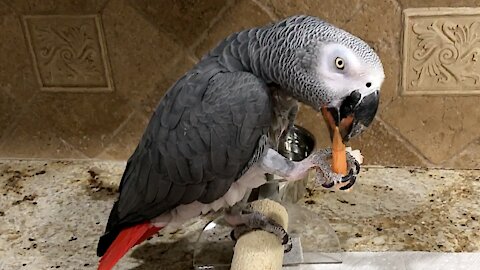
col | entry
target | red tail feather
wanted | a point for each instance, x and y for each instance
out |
(127, 238)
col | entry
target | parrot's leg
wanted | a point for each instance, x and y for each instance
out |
(244, 219)
(274, 163)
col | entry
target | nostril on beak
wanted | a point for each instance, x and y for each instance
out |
(368, 84)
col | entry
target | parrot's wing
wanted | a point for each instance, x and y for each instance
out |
(200, 139)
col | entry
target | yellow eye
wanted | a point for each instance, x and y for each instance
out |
(339, 63)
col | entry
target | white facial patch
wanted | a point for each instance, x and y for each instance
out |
(355, 75)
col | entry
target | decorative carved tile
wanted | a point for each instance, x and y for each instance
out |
(69, 52)
(441, 51)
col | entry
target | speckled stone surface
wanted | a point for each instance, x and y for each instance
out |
(394, 209)
(52, 213)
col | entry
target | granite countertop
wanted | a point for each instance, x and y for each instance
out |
(52, 213)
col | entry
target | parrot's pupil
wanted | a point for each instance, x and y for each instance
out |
(369, 84)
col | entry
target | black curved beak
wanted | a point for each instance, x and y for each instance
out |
(354, 116)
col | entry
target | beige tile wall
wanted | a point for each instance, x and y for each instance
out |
(79, 79)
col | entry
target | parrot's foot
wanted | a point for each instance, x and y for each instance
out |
(326, 177)
(246, 220)
(274, 163)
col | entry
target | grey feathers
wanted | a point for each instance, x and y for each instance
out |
(213, 128)
(213, 123)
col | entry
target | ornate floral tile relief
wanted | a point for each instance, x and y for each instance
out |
(441, 51)
(69, 52)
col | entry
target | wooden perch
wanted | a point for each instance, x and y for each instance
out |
(261, 249)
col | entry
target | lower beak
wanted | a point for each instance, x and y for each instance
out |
(354, 116)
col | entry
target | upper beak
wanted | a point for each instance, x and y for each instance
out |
(354, 116)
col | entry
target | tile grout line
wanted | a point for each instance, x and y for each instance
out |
(462, 150)
(11, 7)
(144, 16)
(393, 131)
(171, 37)
(15, 123)
(8, 94)
(399, 85)
(123, 124)
(192, 57)
(23, 108)
(399, 5)
(136, 105)
(76, 151)
(213, 21)
(266, 9)
(405, 142)
(358, 8)
(120, 128)
(103, 7)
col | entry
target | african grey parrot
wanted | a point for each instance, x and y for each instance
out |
(214, 134)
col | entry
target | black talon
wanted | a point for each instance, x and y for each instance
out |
(285, 239)
(288, 247)
(328, 185)
(232, 235)
(357, 166)
(348, 177)
(349, 185)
